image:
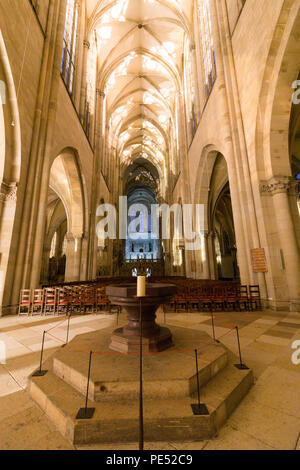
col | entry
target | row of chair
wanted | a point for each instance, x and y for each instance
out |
(229, 298)
(63, 300)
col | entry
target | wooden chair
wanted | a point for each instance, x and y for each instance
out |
(62, 301)
(218, 299)
(50, 301)
(102, 301)
(181, 303)
(206, 299)
(89, 299)
(24, 302)
(77, 299)
(231, 299)
(194, 300)
(254, 298)
(243, 297)
(37, 304)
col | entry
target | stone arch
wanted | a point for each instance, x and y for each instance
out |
(206, 267)
(56, 220)
(10, 133)
(10, 165)
(204, 172)
(66, 181)
(273, 156)
(275, 103)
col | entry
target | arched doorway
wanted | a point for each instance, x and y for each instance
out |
(63, 254)
(221, 223)
(143, 243)
(54, 252)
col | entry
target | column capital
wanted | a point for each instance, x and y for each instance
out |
(276, 185)
(100, 93)
(86, 43)
(70, 236)
(8, 192)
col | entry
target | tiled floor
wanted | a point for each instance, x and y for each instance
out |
(268, 418)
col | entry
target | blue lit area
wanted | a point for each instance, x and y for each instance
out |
(142, 244)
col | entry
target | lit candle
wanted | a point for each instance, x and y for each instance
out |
(141, 286)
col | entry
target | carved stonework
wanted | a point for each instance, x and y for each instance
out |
(275, 185)
(8, 192)
(100, 93)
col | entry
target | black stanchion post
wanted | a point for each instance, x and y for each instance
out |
(87, 413)
(213, 328)
(68, 328)
(141, 418)
(40, 372)
(240, 366)
(199, 408)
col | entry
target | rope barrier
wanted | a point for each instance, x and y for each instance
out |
(144, 352)
(56, 326)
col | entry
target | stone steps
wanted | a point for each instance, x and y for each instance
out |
(104, 387)
(118, 420)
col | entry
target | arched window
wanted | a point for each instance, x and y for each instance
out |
(53, 246)
(69, 44)
(209, 59)
(189, 87)
(64, 246)
(91, 85)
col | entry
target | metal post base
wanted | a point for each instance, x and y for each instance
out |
(200, 410)
(241, 366)
(39, 373)
(85, 413)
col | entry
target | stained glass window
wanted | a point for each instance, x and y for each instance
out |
(69, 44)
(209, 59)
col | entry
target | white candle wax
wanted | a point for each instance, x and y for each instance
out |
(141, 286)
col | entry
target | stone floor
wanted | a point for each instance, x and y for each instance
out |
(268, 418)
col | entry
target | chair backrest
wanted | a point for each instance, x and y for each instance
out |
(254, 291)
(77, 292)
(50, 296)
(38, 297)
(88, 294)
(242, 290)
(25, 297)
(61, 296)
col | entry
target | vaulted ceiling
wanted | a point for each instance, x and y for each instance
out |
(140, 47)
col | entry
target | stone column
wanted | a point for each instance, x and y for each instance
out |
(95, 193)
(205, 262)
(18, 275)
(278, 188)
(45, 265)
(73, 258)
(38, 223)
(211, 255)
(8, 201)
